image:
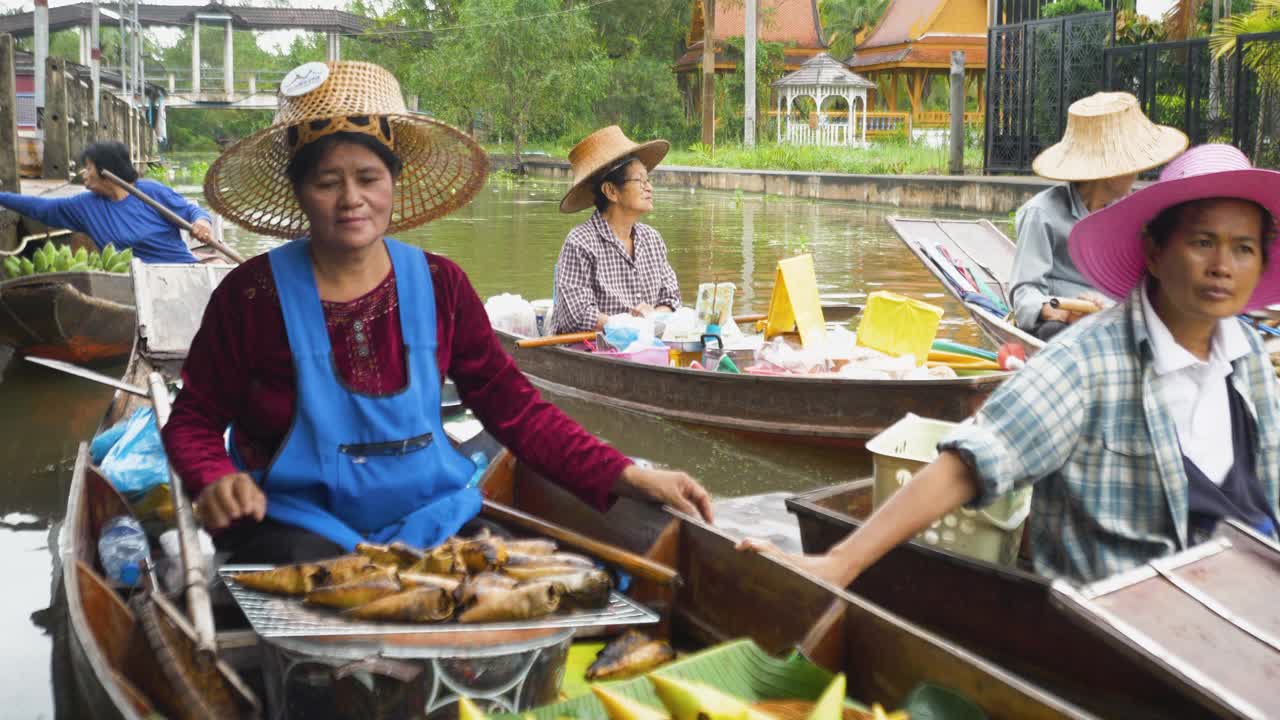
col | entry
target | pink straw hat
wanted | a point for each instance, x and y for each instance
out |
(1108, 245)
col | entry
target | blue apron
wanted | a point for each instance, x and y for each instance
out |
(356, 467)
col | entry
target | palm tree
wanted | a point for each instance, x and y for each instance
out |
(842, 20)
(1261, 57)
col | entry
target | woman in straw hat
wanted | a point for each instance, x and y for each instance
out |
(1145, 425)
(612, 263)
(326, 355)
(1107, 143)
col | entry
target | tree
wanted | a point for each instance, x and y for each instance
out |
(1060, 8)
(530, 64)
(1263, 58)
(843, 20)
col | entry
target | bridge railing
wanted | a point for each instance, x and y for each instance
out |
(213, 81)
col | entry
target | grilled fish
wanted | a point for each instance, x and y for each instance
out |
(441, 560)
(585, 589)
(482, 582)
(419, 604)
(631, 654)
(481, 555)
(397, 553)
(353, 594)
(304, 577)
(449, 583)
(521, 603)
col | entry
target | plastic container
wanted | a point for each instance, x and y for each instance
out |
(992, 533)
(648, 356)
(123, 550)
(712, 347)
(898, 325)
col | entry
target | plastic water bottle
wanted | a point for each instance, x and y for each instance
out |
(123, 549)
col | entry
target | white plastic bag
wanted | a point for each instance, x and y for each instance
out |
(513, 314)
(623, 330)
(682, 325)
(779, 354)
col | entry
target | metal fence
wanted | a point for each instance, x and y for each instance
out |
(1233, 100)
(1010, 12)
(1035, 70)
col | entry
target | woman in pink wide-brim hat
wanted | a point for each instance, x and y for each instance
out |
(1142, 426)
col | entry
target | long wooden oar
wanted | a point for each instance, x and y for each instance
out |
(88, 374)
(170, 215)
(195, 574)
(566, 339)
(636, 565)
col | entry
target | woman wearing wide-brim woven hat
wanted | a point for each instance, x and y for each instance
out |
(1146, 425)
(1107, 143)
(327, 354)
(612, 263)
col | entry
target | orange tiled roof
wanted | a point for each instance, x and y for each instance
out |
(902, 22)
(785, 21)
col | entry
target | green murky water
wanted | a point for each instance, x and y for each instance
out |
(507, 241)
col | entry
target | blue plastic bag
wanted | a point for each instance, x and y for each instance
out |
(135, 462)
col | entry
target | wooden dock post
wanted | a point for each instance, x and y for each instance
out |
(57, 139)
(8, 138)
(78, 120)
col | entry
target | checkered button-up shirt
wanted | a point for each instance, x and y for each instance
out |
(1084, 421)
(595, 275)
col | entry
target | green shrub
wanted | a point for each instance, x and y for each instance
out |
(1059, 8)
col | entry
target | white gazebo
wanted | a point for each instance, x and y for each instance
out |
(822, 77)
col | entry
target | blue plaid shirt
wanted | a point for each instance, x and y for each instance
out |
(1084, 421)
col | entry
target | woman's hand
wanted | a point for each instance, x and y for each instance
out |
(670, 487)
(201, 230)
(642, 310)
(1049, 313)
(825, 567)
(231, 498)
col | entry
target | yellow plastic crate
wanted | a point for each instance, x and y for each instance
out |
(898, 325)
(992, 533)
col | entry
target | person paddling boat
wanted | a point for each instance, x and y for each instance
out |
(1143, 425)
(326, 355)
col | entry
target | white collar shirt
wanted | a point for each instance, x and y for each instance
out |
(1195, 391)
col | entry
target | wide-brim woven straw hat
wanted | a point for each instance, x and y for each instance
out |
(1108, 246)
(1108, 136)
(443, 168)
(601, 150)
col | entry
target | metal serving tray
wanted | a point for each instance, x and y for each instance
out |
(280, 616)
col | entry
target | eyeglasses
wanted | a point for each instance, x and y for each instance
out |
(644, 181)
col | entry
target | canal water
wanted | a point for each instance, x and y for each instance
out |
(507, 240)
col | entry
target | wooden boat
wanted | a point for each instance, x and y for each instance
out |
(825, 410)
(985, 251)
(80, 317)
(724, 594)
(1003, 613)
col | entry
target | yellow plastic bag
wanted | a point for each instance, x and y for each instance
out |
(898, 325)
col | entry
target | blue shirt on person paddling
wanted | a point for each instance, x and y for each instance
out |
(125, 223)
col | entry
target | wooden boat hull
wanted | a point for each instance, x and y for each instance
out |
(80, 317)
(999, 612)
(791, 408)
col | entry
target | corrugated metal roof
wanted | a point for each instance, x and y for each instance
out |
(245, 18)
(823, 70)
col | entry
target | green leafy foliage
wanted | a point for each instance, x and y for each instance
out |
(842, 20)
(1059, 8)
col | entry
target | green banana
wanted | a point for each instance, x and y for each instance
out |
(108, 253)
(78, 267)
(49, 252)
(81, 256)
(41, 262)
(12, 267)
(61, 264)
(28, 268)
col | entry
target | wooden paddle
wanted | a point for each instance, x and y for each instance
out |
(1084, 307)
(195, 574)
(636, 565)
(566, 339)
(171, 216)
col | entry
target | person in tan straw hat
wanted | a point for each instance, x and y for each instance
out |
(326, 355)
(1108, 142)
(1143, 426)
(612, 263)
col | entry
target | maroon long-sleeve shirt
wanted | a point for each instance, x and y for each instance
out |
(240, 372)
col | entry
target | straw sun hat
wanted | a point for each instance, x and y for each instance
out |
(600, 151)
(443, 167)
(1108, 136)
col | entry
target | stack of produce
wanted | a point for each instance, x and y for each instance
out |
(479, 579)
(59, 258)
